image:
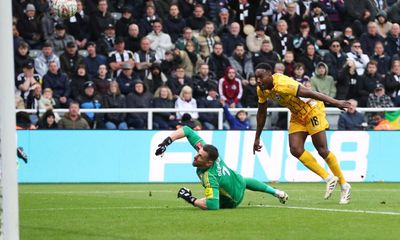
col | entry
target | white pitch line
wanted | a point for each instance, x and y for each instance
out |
(259, 206)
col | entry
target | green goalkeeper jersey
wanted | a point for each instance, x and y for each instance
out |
(224, 188)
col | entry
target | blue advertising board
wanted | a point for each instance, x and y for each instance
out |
(61, 156)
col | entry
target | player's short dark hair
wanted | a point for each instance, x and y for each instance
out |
(211, 151)
(264, 66)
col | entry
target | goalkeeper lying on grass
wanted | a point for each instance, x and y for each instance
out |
(224, 188)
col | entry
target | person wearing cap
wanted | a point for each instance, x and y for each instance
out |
(30, 28)
(78, 25)
(368, 81)
(302, 39)
(105, 43)
(27, 81)
(60, 38)
(138, 98)
(119, 57)
(21, 57)
(379, 99)
(126, 78)
(100, 20)
(93, 60)
(70, 59)
(59, 83)
(174, 23)
(254, 40)
(159, 41)
(90, 99)
(44, 57)
(122, 25)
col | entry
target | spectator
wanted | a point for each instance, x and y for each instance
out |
(378, 122)
(187, 37)
(378, 99)
(32, 101)
(144, 58)
(159, 41)
(249, 98)
(381, 58)
(177, 82)
(100, 20)
(335, 11)
(78, 80)
(174, 24)
(21, 57)
(48, 21)
(209, 120)
(197, 21)
(370, 38)
(368, 82)
(288, 62)
(27, 81)
(242, 62)
(122, 25)
(394, 13)
(383, 26)
(171, 60)
(278, 11)
(146, 23)
(203, 81)
(292, 19)
(114, 99)
(239, 122)
(217, 61)
(47, 102)
(245, 12)
(119, 57)
(256, 39)
(279, 68)
(299, 73)
(223, 22)
(392, 41)
(230, 88)
(47, 121)
(186, 7)
(335, 58)
(17, 39)
(356, 54)
(264, 23)
(356, 12)
(195, 60)
(207, 39)
(91, 100)
(102, 80)
(132, 41)
(60, 39)
(93, 60)
(105, 42)
(266, 55)
(46, 56)
(347, 82)
(232, 39)
(351, 119)
(23, 121)
(392, 82)
(70, 59)
(156, 78)
(282, 40)
(58, 82)
(321, 28)
(127, 79)
(72, 119)
(160, 6)
(78, 26)
(301, 40)
(346, 39)
(322, 82)
(163, 98)
(186, 103)
(30, 28)
(139, 98)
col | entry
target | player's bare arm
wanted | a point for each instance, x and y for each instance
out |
(261, 118)
(307, 93)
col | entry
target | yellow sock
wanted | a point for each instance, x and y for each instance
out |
(335, 168)
(311, 163)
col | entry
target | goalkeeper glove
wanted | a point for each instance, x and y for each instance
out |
(163, 146)
(21, 154)
(186, 195)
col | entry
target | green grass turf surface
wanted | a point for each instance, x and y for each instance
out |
(152, 211)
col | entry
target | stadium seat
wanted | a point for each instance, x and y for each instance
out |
(33, 53)
(323, 52)
(116, 15)
(83, 53)
(333, 120)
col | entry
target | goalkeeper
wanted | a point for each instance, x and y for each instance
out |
(224, 188)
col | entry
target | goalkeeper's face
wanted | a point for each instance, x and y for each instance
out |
(201, 160)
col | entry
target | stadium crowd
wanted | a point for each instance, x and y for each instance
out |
(189, 54)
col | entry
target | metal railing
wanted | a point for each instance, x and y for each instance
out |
(220, 111)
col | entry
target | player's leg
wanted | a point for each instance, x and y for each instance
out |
(296, 144)
(258, 186)
(320, 143)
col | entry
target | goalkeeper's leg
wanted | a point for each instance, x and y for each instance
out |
(255, 185)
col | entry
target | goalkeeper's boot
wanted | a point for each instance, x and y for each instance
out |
(345, 194)
(330, 186)
(282, 196)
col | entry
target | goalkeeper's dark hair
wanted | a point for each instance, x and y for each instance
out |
(211, 151)
(264, 66)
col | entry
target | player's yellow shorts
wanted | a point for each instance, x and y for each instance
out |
(313, 123)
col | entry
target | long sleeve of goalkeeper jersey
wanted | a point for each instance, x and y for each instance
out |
(211, 191)
(193, 138)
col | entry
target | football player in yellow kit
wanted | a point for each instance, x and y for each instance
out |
(307, 118)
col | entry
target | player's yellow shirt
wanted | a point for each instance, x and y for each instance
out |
(284, 92)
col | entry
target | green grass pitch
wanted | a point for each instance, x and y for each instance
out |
(152, 211)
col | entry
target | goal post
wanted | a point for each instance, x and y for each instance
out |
(8, 168)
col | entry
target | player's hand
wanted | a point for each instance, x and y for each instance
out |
(163, 146)
(343, 104)
(256, 146)
(186, 195)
